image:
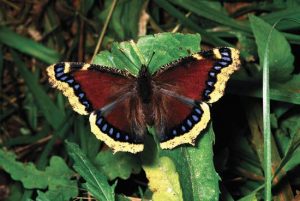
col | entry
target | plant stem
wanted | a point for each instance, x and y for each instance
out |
(113, 4)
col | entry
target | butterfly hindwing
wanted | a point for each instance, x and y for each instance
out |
(179, 121)
(118, 139)
(188, 130)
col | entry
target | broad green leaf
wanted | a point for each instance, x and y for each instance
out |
(166, 48)
(280, 56)
(198, 178)
(96, 181)
(163, 180)
(120, 164)
(56, 177)
(28, 46)
(22, 172)
(43, 197)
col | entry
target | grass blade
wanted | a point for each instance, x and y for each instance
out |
(28, 46)
(53, 115)
(209, 38)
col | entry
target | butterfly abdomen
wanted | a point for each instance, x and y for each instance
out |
(144, 85)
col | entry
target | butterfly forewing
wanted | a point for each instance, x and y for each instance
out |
(201, 76)
(88, 87)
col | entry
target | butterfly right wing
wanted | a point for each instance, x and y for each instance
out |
(185, 87)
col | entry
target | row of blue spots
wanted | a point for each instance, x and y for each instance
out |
(106, 128)
(187, 124)
(225, 61)
(226, 57)
(62, 76)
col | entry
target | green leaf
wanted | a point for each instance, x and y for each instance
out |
(17, 190)
(166, 48)
(286, 92)
(280, 56)
(207, 37)
(204, 9)
(28, 46)
(120, 164)
(163, 180)
(96, 182)
(250, 197)
(198, 178)
(56, 176)
(293, 161)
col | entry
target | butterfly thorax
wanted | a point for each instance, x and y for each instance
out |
(144, 86)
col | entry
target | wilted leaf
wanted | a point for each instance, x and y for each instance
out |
(163, 180)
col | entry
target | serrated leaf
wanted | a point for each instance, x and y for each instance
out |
(163, 180)
(166, 48)
(280, 56)
(56, 176)
(120, 164)
(96, 181)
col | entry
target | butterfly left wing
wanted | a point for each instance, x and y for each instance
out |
(193, 81)
(88, 87)
(103, 93)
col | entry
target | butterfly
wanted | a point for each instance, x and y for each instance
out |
(175, 100)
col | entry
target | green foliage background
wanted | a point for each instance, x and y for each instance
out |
(48, 152)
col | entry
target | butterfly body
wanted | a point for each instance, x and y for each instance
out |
(174, 100)
(144, 85)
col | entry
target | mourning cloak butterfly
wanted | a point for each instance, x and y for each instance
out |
(174, 99)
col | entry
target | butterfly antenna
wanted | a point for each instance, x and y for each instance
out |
(128, 58)
(150, 59)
